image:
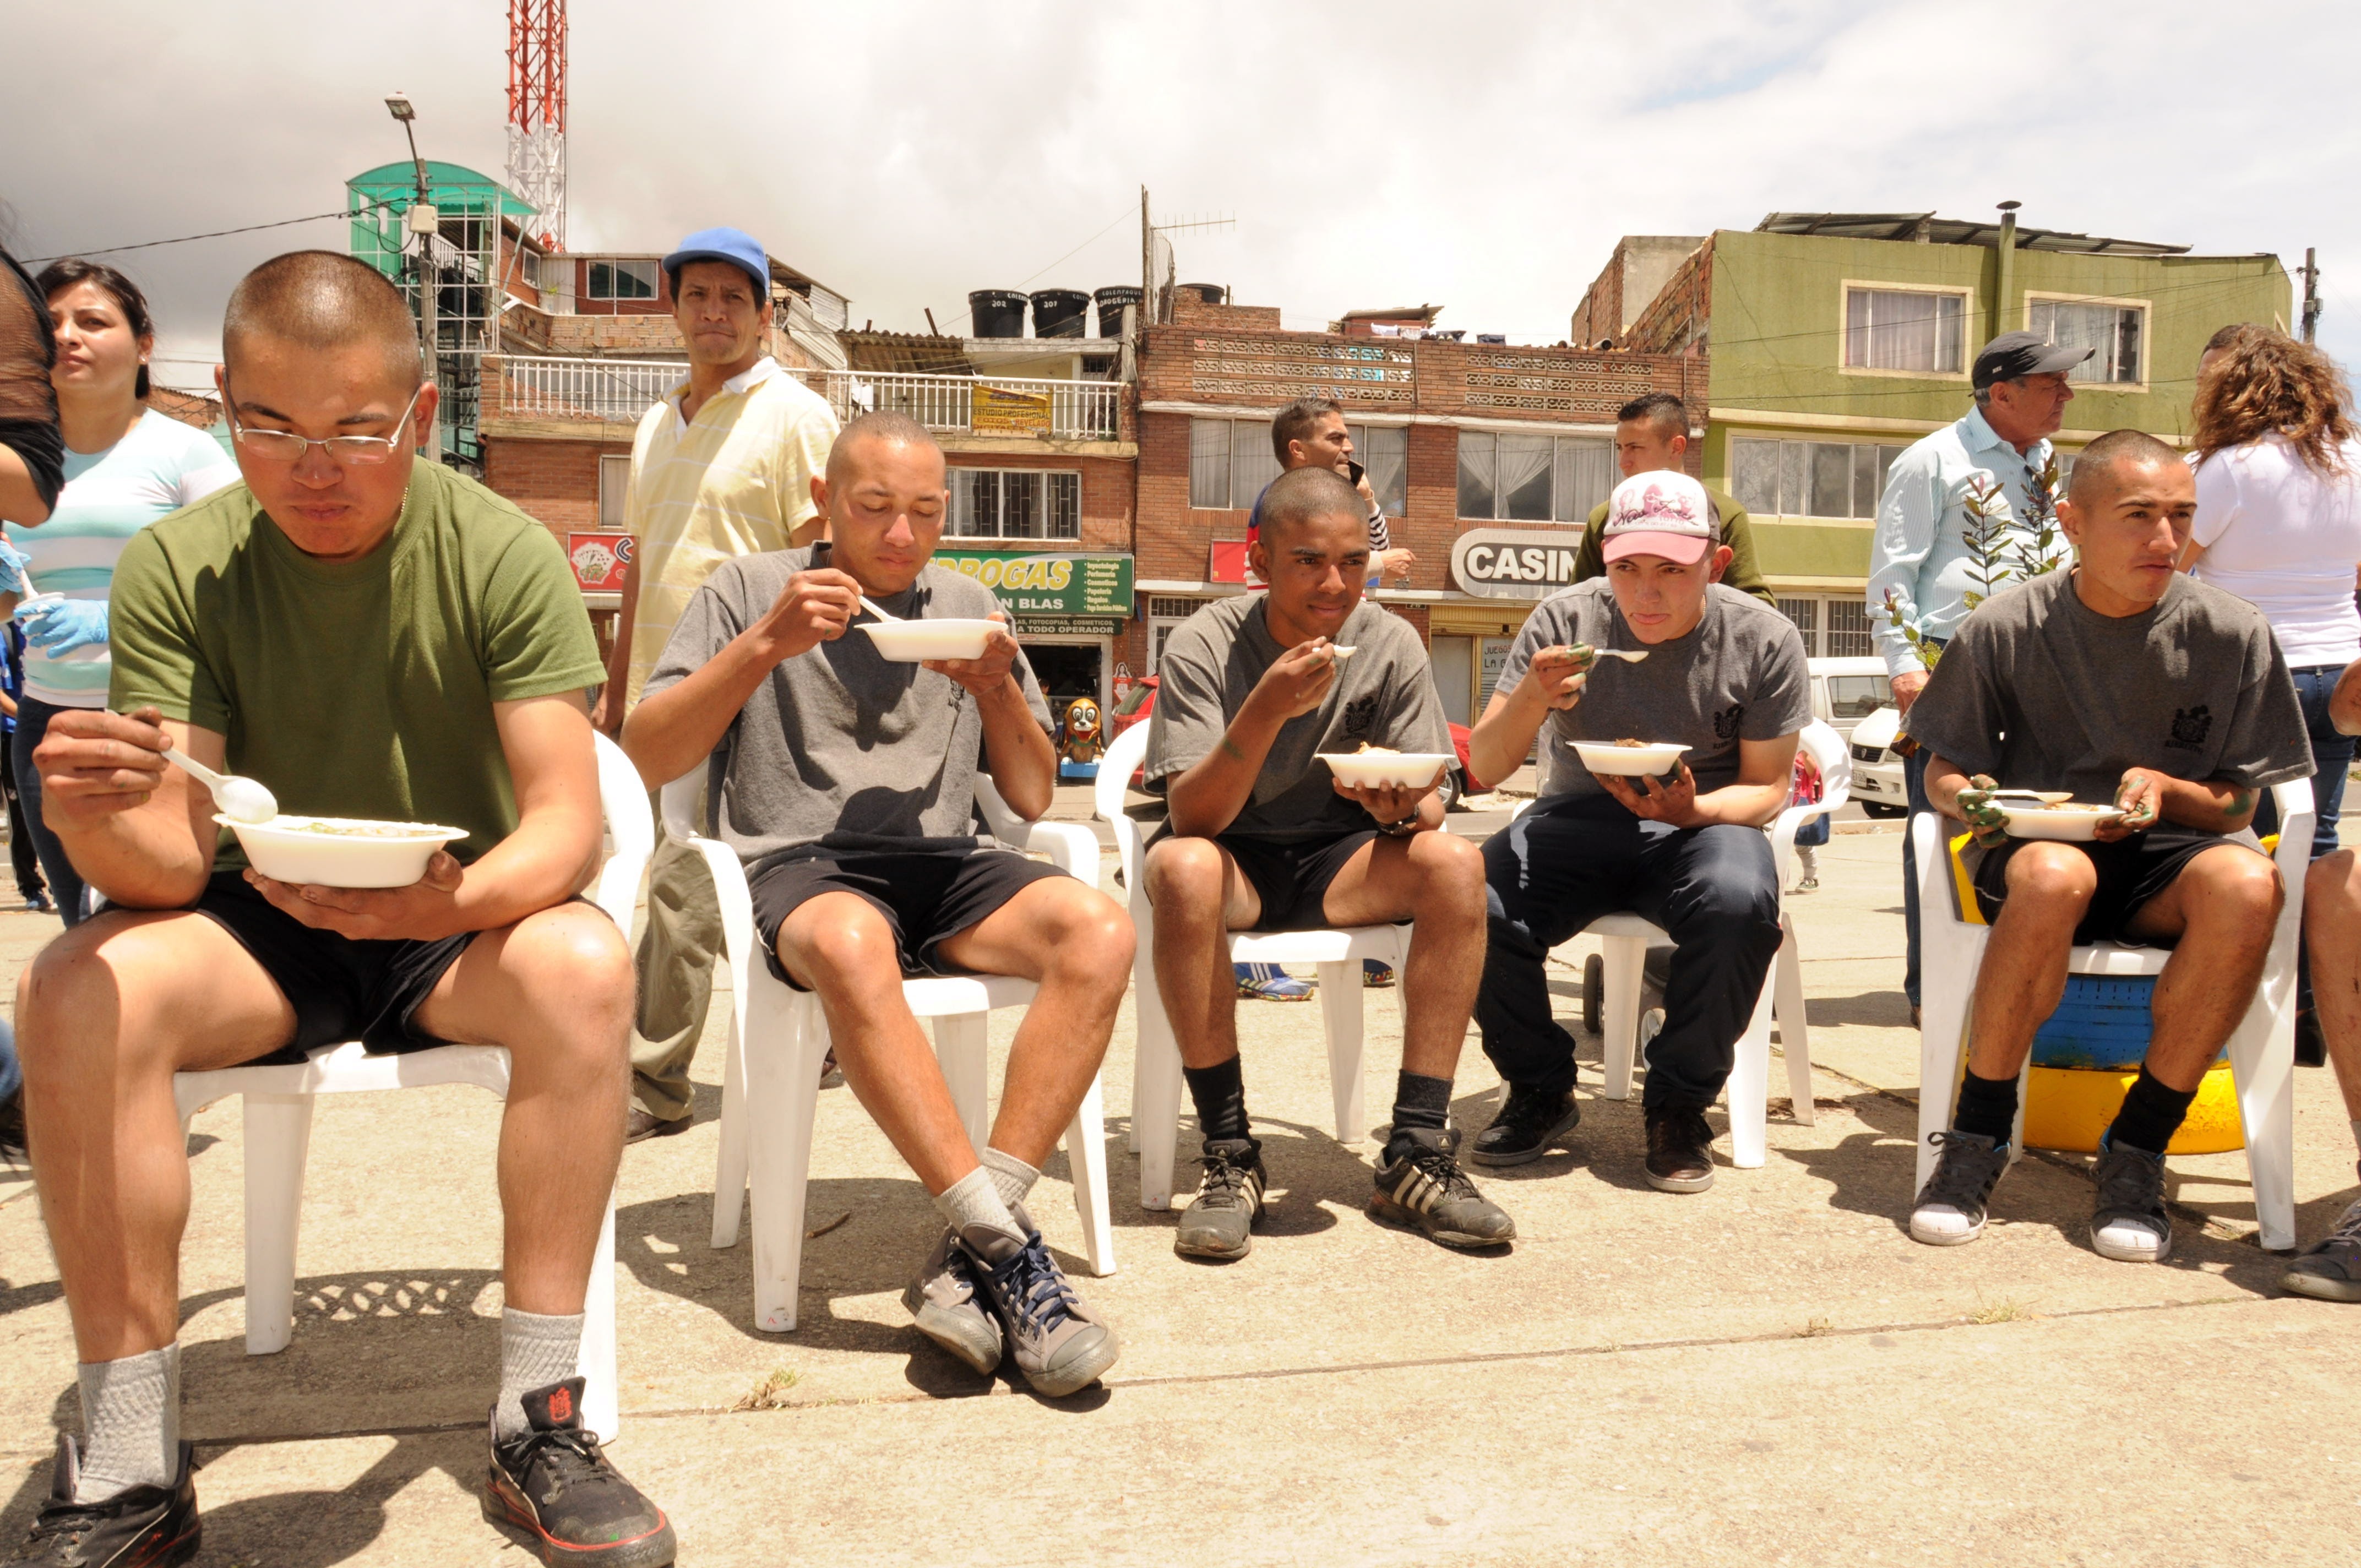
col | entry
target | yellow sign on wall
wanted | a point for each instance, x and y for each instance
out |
(995, 412)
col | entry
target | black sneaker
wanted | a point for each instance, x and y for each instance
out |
(12, 1125)
(1530, 1120)
(1058, 1344)
(1220, 1222)
(1680, 1149)
(1950, 1208)
(551, 1482)
(144, 1527)
(2330, 1271)
(2310, 1045)
(1419, 1185)
(2128, 1223)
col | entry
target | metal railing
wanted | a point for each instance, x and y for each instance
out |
(620, 391)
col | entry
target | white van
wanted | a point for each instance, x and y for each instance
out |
(1856, 698)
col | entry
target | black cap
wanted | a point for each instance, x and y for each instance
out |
(2015, 354)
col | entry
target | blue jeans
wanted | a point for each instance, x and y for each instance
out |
(65, 883)
(1713, 889)
(2331, 757)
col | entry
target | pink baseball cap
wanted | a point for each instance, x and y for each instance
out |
(1664, 514)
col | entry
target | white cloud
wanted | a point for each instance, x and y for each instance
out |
(1481, 156)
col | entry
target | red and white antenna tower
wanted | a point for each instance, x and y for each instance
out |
(537, 112)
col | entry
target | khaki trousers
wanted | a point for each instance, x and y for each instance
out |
(676, 967)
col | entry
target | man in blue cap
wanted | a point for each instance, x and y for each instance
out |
(721, 467)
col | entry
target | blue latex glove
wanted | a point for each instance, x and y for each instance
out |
(60, 626)
(13, 563)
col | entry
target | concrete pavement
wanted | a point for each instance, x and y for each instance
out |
(1769, 1372)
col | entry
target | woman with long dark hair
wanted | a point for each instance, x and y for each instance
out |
(126, 465)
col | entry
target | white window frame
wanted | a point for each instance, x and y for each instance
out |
(614, 485)
(1048, 520)
(1391, 506)
(2148, 337)
(1558, 443)
(1965, 295)
(1161, 619)
(615, 264)
(1824, 610)
(1893, 449)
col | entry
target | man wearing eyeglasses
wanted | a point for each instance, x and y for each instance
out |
(371, 637)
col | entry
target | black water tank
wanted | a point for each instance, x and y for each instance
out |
(1211, 293)
(1060, 313)
(1111, 303)
(996, 312)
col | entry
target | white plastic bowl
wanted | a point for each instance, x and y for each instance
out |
(2059, 825)
(1629, 761)
(281, 849)
(913, 641)
(1401, 770)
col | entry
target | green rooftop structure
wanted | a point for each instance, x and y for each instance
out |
(470, 258)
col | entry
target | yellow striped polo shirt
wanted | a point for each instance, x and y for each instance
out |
(735, 480)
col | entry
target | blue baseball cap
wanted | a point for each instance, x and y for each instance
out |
(735, 246)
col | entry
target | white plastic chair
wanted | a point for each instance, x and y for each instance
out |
(778, 1036)
(1624, 941)
(278, 1119)
(2262, 1047)
(1156, 1071)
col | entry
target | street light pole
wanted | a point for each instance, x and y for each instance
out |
(424, 222)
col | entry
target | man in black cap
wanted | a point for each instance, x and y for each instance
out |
(1988, 478)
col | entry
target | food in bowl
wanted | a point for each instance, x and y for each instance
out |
(1631, 742)
(916, 642)
(341, 851)
(2071, 822)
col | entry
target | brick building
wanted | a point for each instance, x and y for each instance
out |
(1487, 458)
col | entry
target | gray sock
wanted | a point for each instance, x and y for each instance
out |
(1011, 1177)
(2357, 1132)
(131, 1418)
(974, 1200)
(536, 1351)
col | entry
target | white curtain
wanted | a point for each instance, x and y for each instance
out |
(1524, 483)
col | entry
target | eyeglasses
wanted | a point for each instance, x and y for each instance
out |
(286, 446)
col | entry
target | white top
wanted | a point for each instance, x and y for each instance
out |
(2287, 540)
(158, 467)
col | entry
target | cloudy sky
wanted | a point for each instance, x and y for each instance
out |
(1484, 157)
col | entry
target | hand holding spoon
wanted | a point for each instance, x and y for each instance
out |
(241, 800)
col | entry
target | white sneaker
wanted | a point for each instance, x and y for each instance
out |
(2129, 1223)
(1951, 1209)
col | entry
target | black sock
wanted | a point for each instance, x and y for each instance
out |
(1419, 1101)
(1220, 1092)
(1987, 1107)
(2151, 1114)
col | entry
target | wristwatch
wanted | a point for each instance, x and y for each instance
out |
(1401, 830)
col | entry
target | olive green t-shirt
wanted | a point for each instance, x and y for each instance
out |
(355, 688)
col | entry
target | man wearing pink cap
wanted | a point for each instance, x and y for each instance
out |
(1725, 679)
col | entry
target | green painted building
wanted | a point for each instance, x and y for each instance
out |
(1835, 340)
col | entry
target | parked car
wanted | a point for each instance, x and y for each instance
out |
(1876, 771)
(1847, 691)
(1459, 781)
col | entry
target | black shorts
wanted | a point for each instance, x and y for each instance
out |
(341, 990)
(925, 897)
(2131, 871)
(1292, 880)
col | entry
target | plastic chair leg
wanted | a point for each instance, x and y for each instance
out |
(1155, 1086)
(1086, 1160)
(1340, 1015)
(781, 1095)
(962, 1050)
(1749, 1088)
(1947, 980)
(601, 1395)
(278, 1140)
(1794, 1034)
(730, 1162)
(2262, 1064)
(1626, 963)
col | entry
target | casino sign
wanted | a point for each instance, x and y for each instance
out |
(1514, 563)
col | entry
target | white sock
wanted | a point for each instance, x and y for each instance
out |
(1011, 1178)
(131, 1422)
(974, 1200)
(536, 1351)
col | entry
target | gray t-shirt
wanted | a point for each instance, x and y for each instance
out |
(2040, 691)
(1739, 675)
(1383, 695)
(839, 749)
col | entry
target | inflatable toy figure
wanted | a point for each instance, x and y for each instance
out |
(1084, 740)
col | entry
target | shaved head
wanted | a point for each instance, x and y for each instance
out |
(2096, 466)
(319, 300)
(1303, 493)
(896, 429)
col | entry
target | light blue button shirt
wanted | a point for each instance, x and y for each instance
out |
(1922, 552)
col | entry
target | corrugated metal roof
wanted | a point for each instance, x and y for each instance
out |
(1953, 231)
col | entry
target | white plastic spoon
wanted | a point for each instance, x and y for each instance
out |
(1617, 653)
(871, 606)
(241, 800)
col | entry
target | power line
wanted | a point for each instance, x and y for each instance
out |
(216, 234)
(1062, 261)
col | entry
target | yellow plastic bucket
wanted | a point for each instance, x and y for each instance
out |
(2067, 1109)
